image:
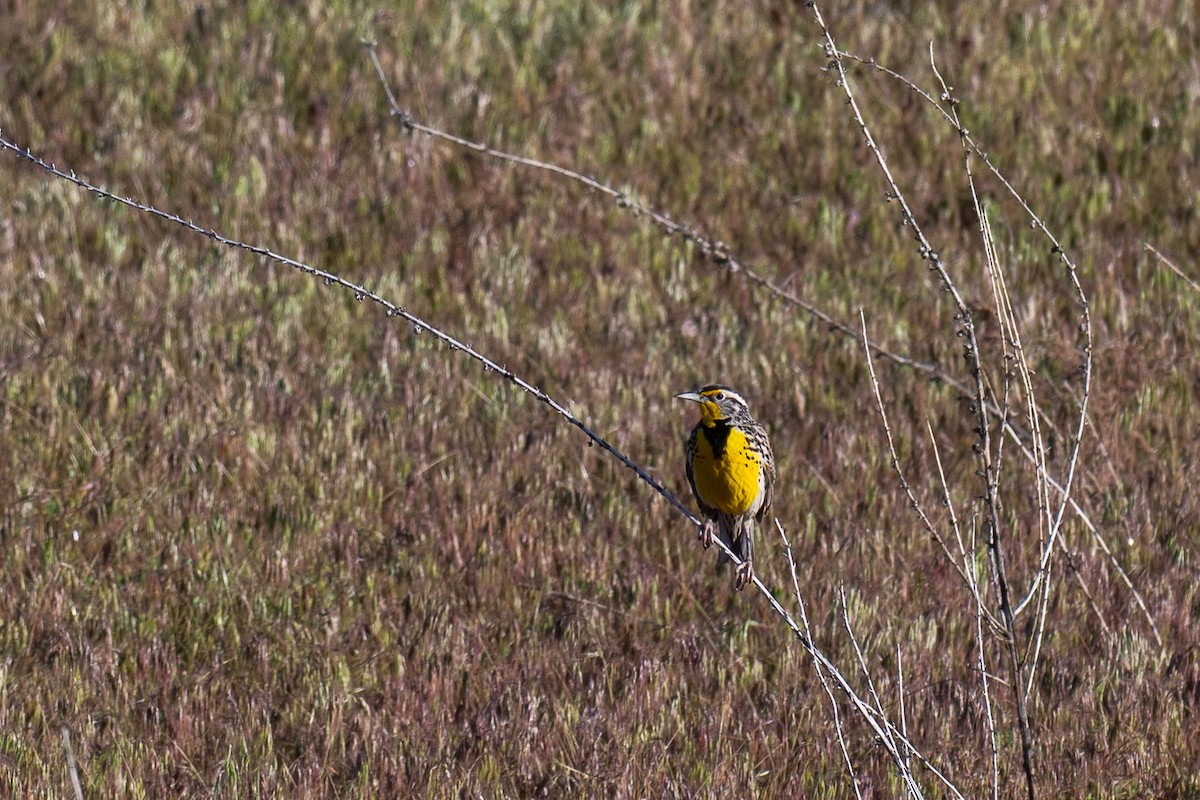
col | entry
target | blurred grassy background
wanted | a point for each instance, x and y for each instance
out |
(260, 540)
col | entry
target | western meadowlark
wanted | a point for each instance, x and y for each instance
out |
(731, 470)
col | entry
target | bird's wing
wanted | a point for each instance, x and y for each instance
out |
(769, 482)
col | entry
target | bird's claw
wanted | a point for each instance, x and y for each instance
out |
(708, 533)
(745, 574)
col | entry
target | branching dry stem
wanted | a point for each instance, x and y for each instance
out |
(882, 726)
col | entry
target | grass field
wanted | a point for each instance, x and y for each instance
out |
(262, 540)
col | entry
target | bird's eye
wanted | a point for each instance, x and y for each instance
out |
(719, 396)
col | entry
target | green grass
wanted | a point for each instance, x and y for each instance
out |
(260, 540)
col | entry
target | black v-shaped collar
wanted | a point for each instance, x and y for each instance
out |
(717, 435)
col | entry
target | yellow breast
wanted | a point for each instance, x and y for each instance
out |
(730, 482)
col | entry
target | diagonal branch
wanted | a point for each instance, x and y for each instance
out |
(883, 727)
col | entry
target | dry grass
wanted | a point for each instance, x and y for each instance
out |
(260, 540)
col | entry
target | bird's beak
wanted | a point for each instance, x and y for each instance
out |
(693, 396)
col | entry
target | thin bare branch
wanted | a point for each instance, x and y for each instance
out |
(817, 667)
(981, 661)
(882, 726)
(993, 464)
(1036, 222)
(1171, 265)
(714, 250)
(900, 698)
(72, 767)
(904, 484)
(720, 254)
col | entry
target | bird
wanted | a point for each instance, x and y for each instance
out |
(731, 470)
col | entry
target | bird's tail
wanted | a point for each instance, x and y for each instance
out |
(735, 533)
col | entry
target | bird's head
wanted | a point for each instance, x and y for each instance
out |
(716, 402)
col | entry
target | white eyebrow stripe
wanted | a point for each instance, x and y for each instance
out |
(731, 395)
